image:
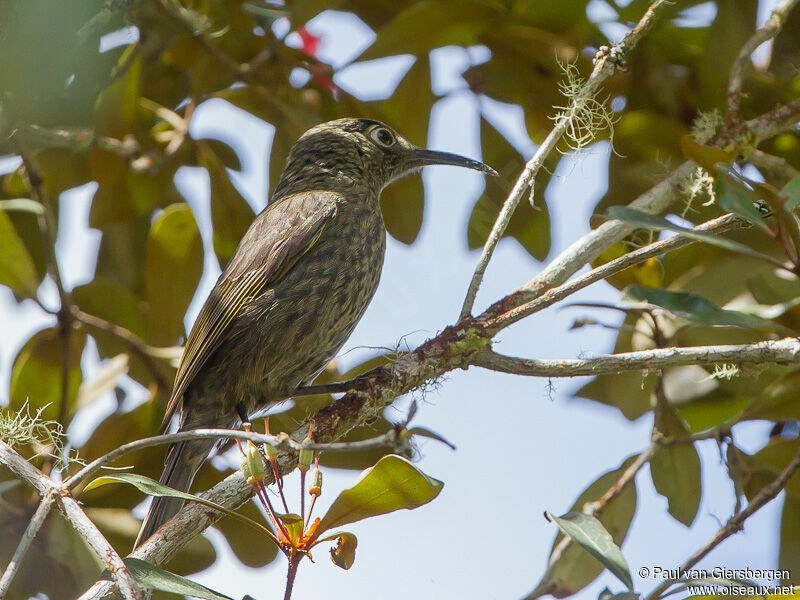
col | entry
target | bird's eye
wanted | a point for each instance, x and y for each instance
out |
(382, 137)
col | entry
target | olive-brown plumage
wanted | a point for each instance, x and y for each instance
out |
(295, 289)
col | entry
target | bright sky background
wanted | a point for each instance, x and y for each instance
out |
(524, 445)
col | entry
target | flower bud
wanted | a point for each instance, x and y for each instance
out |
(316, 482)
(251, 464)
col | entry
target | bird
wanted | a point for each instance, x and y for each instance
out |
(293, 291)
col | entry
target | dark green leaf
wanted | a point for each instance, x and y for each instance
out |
(154, 488)
(792, 191)
(590, 534)
(607, 594)
(675, 468)
(425, 432)
(153, 578)
(575, 568)
(737, 201)
(789, 553)
(393, 483)
(648, 221)
(696, 309)
(530, 227)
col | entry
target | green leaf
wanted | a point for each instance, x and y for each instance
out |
(675, 468)
(173, 266)
(713, 409)
(574, 569)
(739, 202)
(529, 226)
(22, 204)
(628, 392)
(792, 191)
(408, 110)
(696, 309)
(431, 24)
(17, 270)
(778, 402)
(607, 594)
(393, 483)
(120, 528)
(152, 487)
(294, 526)
(239, 536)
(705, 156)
(231, 215)
(36, 376)
(789, 554)
(648, 221)
(590, 534)
(153, 578)
(427, 433)
(344, 554)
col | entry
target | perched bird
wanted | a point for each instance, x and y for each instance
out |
(300, 280)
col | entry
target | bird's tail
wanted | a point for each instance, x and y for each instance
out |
(180, 466)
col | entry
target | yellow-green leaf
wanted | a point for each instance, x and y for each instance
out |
(393, 483)
(17, 270)
(173, 266)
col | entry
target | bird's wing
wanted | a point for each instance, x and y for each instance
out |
(278, 237)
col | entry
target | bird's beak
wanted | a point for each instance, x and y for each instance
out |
(424, 157)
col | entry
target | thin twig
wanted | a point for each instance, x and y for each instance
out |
(553, 295)
(735, 523)
(31, 530)
(45, 486)
(48, 227)
(784, 351)
(770, 29)
(773, 167)
(134, 342)
(607, 62)
(278, 441)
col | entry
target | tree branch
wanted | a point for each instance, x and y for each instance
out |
(607, 62)
(770, 29)
(784, 351)
(31, 530)
(46, 487)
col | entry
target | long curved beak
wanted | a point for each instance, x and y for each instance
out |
(424, 157)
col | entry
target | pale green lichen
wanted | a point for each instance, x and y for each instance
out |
(22, 428)
(585, 116)
(725, 371)
(706, 126)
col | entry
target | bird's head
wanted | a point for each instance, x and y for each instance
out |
(364, 151)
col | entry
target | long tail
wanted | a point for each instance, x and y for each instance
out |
(180, 466)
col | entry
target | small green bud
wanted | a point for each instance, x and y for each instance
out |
(316, 482)
(251, 464)
(272, 452)
(306, 453)
(306, 456)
